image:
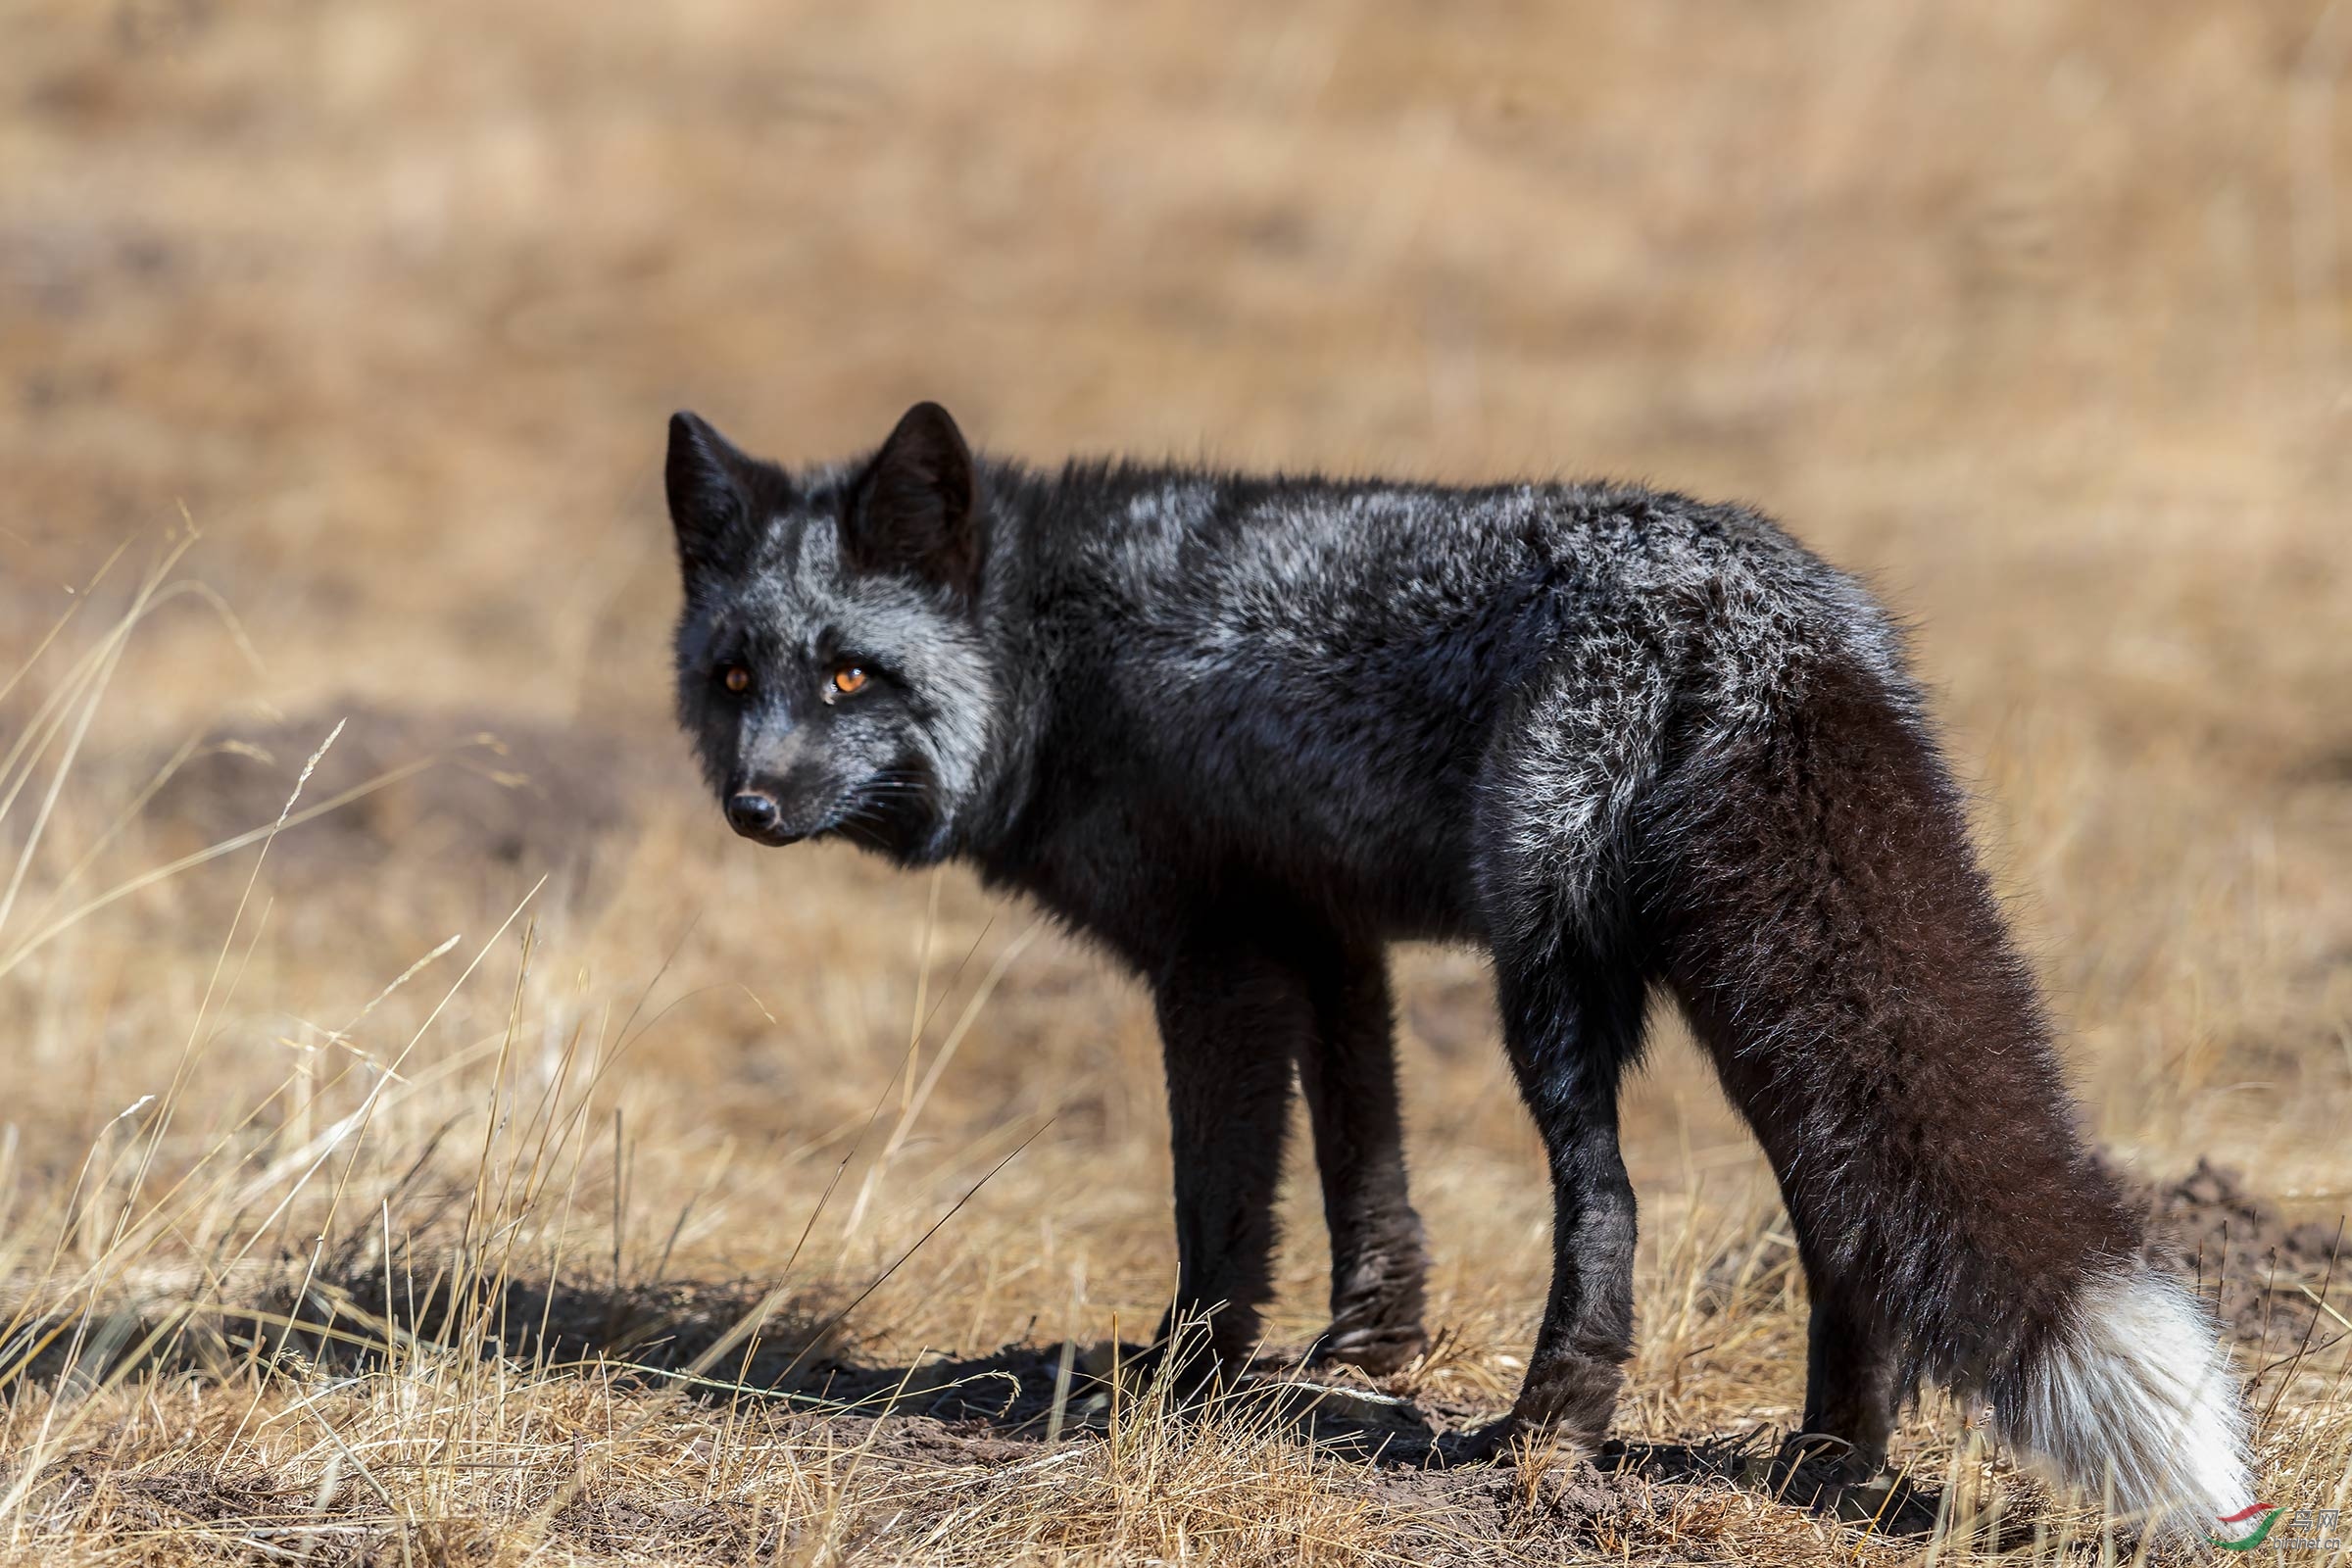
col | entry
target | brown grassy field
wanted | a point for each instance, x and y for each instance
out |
(502, 1162)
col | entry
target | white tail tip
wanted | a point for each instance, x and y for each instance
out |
(2134, 1402)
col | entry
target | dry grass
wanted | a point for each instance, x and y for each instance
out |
(507, 1162)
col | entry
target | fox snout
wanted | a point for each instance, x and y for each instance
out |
(776, 809)
(779, 789)
(756, 816)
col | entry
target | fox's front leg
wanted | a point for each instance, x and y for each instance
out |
(1349, 1071)
(1231, 1020)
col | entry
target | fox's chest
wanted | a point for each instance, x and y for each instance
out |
(1138, 855)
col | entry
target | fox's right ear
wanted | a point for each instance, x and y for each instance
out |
(709, 494)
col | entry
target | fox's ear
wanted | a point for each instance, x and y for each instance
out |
(709, 494)
(916, 509)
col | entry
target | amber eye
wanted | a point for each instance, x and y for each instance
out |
(737, 680)
(849, 680)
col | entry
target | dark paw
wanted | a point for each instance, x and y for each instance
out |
(1378, 1349)
(1376, 1304)
(1503, 1442)
(1574, 1394)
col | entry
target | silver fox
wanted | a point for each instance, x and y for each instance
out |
(1245, 732)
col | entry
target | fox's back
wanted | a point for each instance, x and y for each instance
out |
(1303, 678)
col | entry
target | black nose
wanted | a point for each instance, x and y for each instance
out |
(752, 815)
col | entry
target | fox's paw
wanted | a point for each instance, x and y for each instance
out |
(1376, 1304)
(1504, 1440)
(1572, 1392)
(1567, 1395)
(1378, 1349)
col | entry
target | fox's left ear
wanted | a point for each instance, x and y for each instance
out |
(916, 507)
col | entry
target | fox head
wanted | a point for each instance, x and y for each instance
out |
(831, 669)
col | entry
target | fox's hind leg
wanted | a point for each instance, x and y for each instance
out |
(1572, 980)
(1348, 1068)
(1853, 1370)
(1571, 1031)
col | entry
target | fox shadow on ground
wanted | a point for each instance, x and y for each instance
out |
(985, 1409)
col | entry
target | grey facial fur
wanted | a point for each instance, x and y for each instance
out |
(772, 590)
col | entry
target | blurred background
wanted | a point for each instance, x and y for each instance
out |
(2038, 313)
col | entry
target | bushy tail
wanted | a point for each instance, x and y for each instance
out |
(1821, 916)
